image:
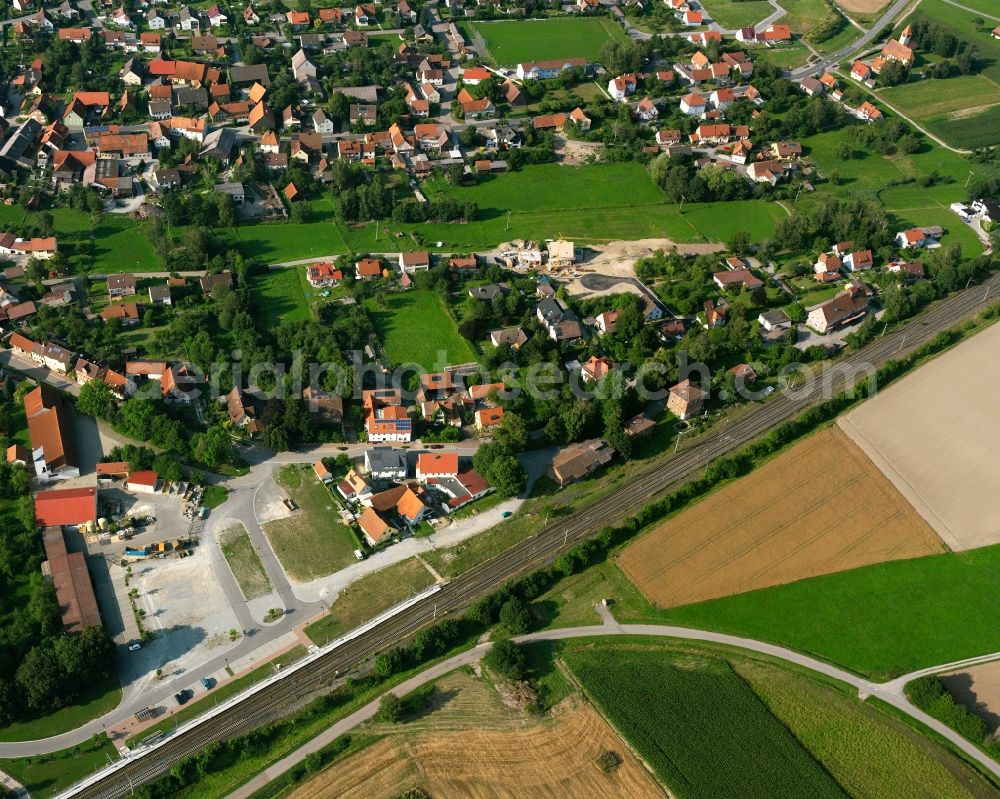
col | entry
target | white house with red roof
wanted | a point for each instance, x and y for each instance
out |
(323, 274)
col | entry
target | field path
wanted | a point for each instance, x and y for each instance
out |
(890, 693)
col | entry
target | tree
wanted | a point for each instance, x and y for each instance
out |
(96, 400)
(740, 242)
(844, 151)
(38, 676)
(214, 447)
(506, 659)
(507, 475)
(511, 433)
(515, 616)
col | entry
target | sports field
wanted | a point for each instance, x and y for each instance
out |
(510, 42)
(700, 727)
(417, 328)
(934, 435)
(819, 507)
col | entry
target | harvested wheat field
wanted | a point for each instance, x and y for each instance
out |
(817, 508)
(935, 436)
(550, 760)
(862, 6)
(978, 690)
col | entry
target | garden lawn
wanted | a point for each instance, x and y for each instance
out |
(880, 621)
(279, 295)
(277, 242)
(310, 542)
(512, 42)
(733, 14)
(417, 328)
(363, 600)
(698, 725)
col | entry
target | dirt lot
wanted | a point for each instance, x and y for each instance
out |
(978, 689)
(862, 6)
(934, 435)
(817, 508)
(545, 761)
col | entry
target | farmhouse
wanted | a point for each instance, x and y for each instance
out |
(50, 428)
(578, 460)
(67, 507)
(68, 570)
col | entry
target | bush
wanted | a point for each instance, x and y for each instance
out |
(608, 761)
(515, 616)
(390, 709)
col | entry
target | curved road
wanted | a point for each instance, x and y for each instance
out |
(891, 692)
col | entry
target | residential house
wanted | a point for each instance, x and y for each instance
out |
(386, 463)
(327, 408)
(354, 487)
(686, 399)
(414, 261)
(514, 336)
(322, 274)
(848, 306)
(436, 465)
(242, 413)
(858, 261)
(740, 277)
(774, 320)
(367, 268)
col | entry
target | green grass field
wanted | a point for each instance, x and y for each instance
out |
(700, 727)
(279, 295)
(546, 187)
(416, 327)
(363, 600)
(881, 621)
(311, 542)
(964, 110)
(786, 56)
(288, 241)
(731, 14)
(970, 132)
(512, 42)
(960, 22)
(244, 562)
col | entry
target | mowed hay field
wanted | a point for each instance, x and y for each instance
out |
(472, 746)
(862, 6)
(819, 507)
(934, 434)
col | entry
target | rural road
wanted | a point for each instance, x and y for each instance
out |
(891, 692)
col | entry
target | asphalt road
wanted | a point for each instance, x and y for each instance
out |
(890, 692)
(537, 550)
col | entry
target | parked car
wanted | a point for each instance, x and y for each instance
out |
(134, 647)
(181, 697)
(207, 683)
(359, 554)
(290, 504)
(506, 514)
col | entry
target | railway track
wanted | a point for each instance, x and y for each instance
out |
(541, 548)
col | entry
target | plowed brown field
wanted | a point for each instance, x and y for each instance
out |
(820, 507)
(546, 761)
